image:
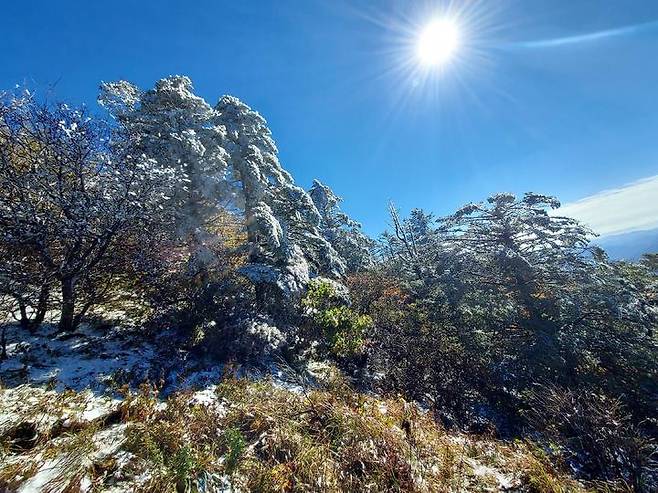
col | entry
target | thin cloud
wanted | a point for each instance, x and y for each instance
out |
(586, 38)
(633, 207)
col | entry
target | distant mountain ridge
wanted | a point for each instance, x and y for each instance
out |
(629, 246)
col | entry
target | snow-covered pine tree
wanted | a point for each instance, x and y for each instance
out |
(226, 155)
(173, 126)
(340, 230)
(283, 224)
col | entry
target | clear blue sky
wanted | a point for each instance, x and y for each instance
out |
(553, 96)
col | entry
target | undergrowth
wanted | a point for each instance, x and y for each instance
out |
(258, 436)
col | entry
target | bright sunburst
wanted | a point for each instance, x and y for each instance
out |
(432, 51)
(438, 42)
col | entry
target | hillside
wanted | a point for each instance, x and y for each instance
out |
(217, 432)
(178, 314)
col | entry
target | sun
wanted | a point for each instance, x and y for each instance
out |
(438, 42)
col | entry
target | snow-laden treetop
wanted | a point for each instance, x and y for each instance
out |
(225, 156)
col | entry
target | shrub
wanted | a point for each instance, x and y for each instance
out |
(235, 444)
(596, 434)
(341, 329)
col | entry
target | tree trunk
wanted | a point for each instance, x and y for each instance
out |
(40, 311)
(3, 343)
(32, 323)
(66, 321)
(42, 307)
(254, 249)
(25, 320)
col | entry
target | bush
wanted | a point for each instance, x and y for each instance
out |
(596, 435)
(421, 355)
(340, 328)
(235, 444)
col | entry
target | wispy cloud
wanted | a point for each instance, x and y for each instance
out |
(633, 207)
(585, 38)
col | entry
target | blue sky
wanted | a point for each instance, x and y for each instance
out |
(553, 96)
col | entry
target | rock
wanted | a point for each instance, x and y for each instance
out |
(257, 339)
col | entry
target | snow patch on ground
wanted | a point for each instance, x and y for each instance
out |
(104, 360)
(505, 481)
(208, 397)
(88, 358)
(47, 474)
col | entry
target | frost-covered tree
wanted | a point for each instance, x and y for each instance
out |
(283, 224)
(73, 198)
(340, 230)
(513, 293)
(516, 250)
(531, 249)
(226, 157)
(175, 127)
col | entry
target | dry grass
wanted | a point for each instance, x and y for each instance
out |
(257, 436)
